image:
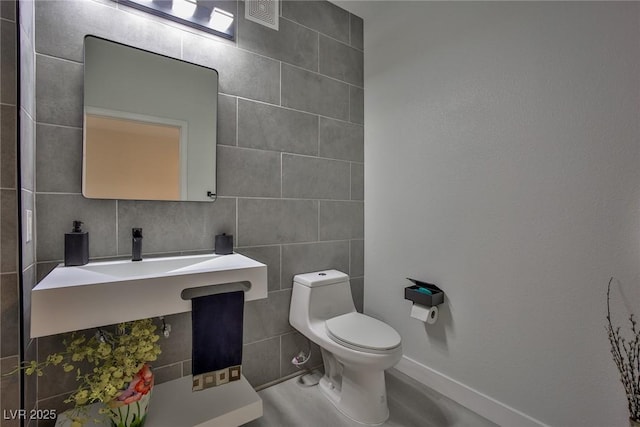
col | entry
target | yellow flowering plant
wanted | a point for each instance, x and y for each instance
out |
(105, 363)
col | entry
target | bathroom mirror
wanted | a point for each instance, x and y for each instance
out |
(149, 125)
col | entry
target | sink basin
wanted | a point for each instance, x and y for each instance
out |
(96, 272)
(149, 267)
(103, 293)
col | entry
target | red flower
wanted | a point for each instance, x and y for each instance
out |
(145, 381)
(138, 387)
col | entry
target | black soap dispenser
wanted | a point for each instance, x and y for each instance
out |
(76, 246)
(224, 244)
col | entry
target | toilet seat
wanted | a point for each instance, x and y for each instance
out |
(361, 332)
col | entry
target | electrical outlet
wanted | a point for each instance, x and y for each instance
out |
(29, 220)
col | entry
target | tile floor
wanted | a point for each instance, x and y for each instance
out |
(411, 404)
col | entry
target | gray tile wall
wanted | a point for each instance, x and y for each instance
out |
(10, 319)
(290, 161)
(27, 186)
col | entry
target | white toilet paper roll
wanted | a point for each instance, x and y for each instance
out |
(424, 314)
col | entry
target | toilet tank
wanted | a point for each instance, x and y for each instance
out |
(319, 296)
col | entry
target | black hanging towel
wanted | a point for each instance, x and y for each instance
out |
(217, 339)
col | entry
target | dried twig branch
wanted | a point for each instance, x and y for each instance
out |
(626, 355)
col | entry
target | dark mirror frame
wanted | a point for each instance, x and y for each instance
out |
(200, 173)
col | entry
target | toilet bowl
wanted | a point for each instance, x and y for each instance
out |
(356, 348)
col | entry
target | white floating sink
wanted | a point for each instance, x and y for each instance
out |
(104, 293)
(151, 267)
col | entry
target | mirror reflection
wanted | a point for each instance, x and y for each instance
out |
(149, 125)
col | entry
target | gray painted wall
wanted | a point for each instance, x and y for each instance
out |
(290, 162)
(502, 164)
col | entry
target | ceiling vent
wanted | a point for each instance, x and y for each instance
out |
(265, 12)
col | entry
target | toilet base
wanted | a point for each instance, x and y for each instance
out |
(361, 396)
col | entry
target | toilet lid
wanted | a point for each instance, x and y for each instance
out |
(362, 331)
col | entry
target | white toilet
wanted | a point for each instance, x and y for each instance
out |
(356, 349)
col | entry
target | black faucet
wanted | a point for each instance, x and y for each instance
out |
(136, 244)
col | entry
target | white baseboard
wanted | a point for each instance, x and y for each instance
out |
(474, 400)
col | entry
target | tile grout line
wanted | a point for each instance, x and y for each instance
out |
(28, 114)
(46, 55)
(349, 106)
(280, 356)
(117, 221)
(284, 107)
(238, 97)
(350, 181)
(311, 242)
(281, 174)
(262, 340)
(280, 84)
(228, 197)
(237, 221)
(350, 243)
(350, 41)
(347, 44)
(280, 275)
(237, 121)
(232, 47)
(40, 123)
(335, 79)
(318, 147)
(34, 240)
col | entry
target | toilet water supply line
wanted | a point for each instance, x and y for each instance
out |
(299, 360)
(309, 378)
